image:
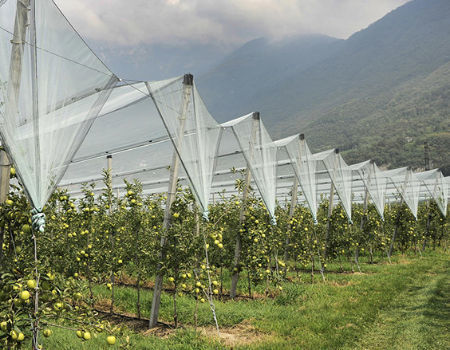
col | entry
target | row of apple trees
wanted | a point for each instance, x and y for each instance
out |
(102, 239)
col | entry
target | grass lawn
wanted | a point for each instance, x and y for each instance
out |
(403, 305)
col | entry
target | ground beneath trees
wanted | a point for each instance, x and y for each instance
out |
(403, 305)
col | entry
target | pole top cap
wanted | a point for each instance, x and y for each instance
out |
(302, 136)
(256, 115)
(188, 79)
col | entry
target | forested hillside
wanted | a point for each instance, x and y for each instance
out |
(379, 94)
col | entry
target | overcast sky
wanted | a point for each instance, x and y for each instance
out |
(227, 22)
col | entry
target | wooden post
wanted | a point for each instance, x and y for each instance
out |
(238, 247)
(171, 195)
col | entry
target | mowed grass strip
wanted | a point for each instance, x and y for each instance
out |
(418, 318)
(404, 305)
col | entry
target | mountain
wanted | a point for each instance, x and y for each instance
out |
(159, 61)
(379, 94)
(232, 87)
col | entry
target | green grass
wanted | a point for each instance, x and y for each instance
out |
(404, 305)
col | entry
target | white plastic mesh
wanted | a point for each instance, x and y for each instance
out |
(435, 184)
(374, 183)
(304, 167)
(261, 155)
(407, 185)
(193, 131)
(340, 174)
(52, 88)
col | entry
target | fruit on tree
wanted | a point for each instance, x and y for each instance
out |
(24, 295)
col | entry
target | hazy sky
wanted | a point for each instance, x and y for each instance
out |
(131, 22)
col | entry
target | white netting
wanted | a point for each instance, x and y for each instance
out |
(260, 153)
(60, 105)
(407, 186)
(435, 184)
(193, 131)
(304, 167)
(373, 182)
(52, 89)
(340, 174)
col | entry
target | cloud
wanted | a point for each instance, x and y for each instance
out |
(133, 22)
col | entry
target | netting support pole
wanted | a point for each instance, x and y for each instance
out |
(12, 104)
(4, 176)
(238, 246)
(111, 234)
(362, 225)
(171, 196)
(291, 215)
(330, 212)
(397, 224)
(13, 91)
(427, 232)
(5, 171)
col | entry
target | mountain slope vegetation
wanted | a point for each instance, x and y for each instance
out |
(379, 94)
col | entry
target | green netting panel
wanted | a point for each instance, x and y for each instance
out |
(53, 87)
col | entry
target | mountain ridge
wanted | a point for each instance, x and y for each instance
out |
(352, 82)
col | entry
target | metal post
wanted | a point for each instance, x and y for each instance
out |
(238, 247)
(171, 195)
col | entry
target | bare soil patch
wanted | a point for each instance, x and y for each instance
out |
(242, 334)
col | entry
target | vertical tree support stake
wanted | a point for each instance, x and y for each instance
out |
(238, 247)
(171, 195)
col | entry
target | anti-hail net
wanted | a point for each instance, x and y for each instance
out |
(62, 112)
(260, 153)
(52, 87)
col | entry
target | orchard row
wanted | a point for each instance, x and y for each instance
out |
(101, 239)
